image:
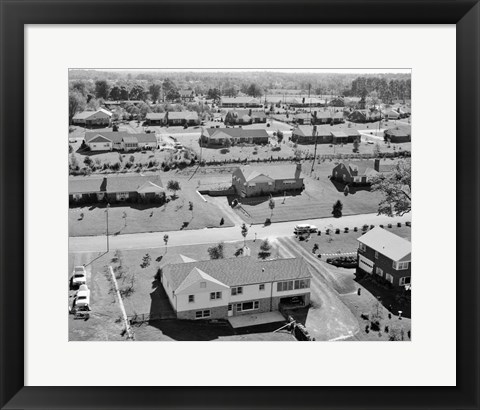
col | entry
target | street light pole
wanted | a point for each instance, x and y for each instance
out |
(108, 243)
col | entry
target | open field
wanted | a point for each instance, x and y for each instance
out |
(173, 215)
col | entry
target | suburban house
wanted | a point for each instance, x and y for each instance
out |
(357, 173)
(390, 114)
(182, 118)
(240, 102)
(307, 134)
(119, 140)
(244, 117)
(398, 134)
(387, 255)
(363, 116)
(250, 181)
(327, 117)
(222, 288)
(337, 102)
(91, 118)
(217, 137)
(187, 95)
(156, 118)
(298, 102)
(112, 189)
(302, 119)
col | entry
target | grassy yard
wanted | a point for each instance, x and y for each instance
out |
(172, 216)
(316, 201)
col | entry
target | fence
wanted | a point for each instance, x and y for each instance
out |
(140, 318)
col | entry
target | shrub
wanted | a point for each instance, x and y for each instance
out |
(355, 229)
(346, 230)
(277, 148)
(224, 151)
(364, 227)
(375, 326)
(337, 231)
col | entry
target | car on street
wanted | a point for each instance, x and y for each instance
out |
(304, 228)
(79, 276)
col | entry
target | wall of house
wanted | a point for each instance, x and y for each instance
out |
(99, 118)
(202, 297)
(100, 146)
(341, 174)
(386, 264)
(282, 185)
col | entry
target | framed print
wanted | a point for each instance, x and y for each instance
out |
(240, 177)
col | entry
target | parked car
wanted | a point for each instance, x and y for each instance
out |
(304, 228)
(79, 276)
(82, 298)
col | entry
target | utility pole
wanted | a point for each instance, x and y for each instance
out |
(315, 151)
(108, 243)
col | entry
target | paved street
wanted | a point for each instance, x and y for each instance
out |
(211, 235)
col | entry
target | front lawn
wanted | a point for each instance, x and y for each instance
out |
(133, 218)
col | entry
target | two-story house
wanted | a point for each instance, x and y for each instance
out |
(221, 288)
(387, 255)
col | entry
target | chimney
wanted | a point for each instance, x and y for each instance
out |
(377, 164)
(298, 170)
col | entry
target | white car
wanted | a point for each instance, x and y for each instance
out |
(82, 298)
(304, 228)
(79, 276)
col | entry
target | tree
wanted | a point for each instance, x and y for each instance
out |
(173, 186)
(346, 191)
(154, 91)
(376, 149)
(115, 93)
(337, 209)
(254, 90)
(271, 205)
(124, 216)
(356, 145)
(230, 91)
(396, 188)
(146, 261)
(265, 249)
(137, 93)
(101, 89)
(190, 207)
(216, 252)
(88, 161)
(165, 239)
(213, 94)
(244, 231)
(76, 103)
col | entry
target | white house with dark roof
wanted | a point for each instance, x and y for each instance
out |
(119, 140)
(239, 102)
(98, 117)
(250, 181)
(222, 288)
(217, 137)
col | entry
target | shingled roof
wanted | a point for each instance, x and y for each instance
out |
(275, 172)
(240, 271)
(386, 243)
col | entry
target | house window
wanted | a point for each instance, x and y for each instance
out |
(405, 281)
(246, 306)
(379, 271)
(237, 291)
(362, 247)
(400, 265)
(191, 298)
(376, 255)
(290, 285)
(389, 277)
(261, 286)
(203, 284)
(215, 295)
(199, 314)
(229, 307)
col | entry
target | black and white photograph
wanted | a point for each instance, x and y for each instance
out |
(239, 205)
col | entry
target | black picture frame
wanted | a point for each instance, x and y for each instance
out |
(465, 14)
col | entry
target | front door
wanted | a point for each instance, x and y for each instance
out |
(230, 310)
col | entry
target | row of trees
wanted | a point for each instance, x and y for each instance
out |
(386, 90)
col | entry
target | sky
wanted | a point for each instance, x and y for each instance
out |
(279, 70)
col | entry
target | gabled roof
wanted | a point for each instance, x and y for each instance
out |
(114, 136)
(130, 139)
(307, 130)
(197, 275)
(182, 115)
(362, 168)
(100, 138)
(87, 114)
(239, 271)
(235, 133)
(386, 243)
(339, 134)
(156, 116)
(275, 172)
(131, 183)
(400, 131)
(85, 185)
